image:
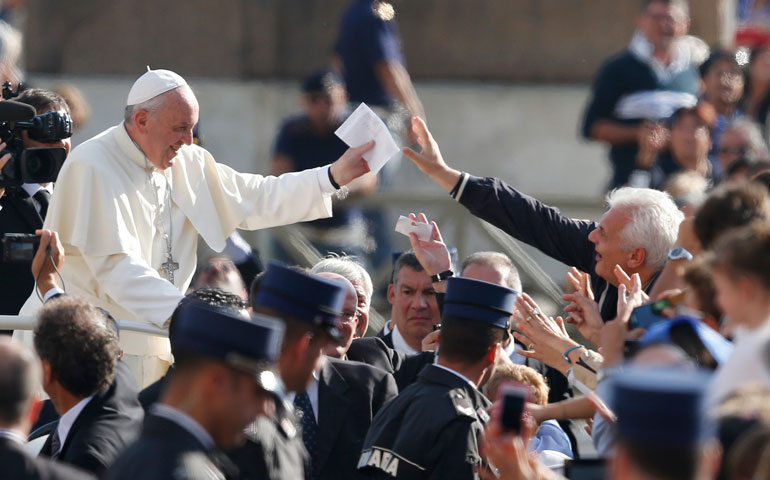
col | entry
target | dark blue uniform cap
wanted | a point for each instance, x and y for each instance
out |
(312, 299)
(247, 343)
(719, 347)
(658, 407)
(479, 301)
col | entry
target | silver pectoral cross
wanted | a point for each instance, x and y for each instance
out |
(168, 267)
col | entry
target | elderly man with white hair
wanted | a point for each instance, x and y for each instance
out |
(130, 204)
(636, 233)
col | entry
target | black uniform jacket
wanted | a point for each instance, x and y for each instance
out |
(167, 451)
(110, 422)
(349, 395)
(430, 431)
(404, 368)
(273, 448)
(16, 464)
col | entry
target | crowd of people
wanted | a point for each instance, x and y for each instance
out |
(270, 372)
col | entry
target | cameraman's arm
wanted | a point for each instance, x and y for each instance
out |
(45, 263)
(135, 286)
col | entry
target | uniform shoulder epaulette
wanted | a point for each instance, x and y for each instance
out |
(462, 404)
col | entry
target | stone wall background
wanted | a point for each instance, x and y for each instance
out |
(506, 40)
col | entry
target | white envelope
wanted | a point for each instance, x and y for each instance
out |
(364, 125)
(405, 225)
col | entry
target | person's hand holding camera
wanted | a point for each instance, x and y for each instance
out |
(3, 160)
(47, 261)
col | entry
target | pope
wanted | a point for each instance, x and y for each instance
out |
(130, 203)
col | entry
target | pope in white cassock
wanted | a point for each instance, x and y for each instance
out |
(129, 205)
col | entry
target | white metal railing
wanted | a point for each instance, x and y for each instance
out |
(16, 322)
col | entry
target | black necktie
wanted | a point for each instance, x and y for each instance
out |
(309, 426)
(55, 444)
(42, 197)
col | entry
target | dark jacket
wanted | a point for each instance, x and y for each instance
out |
(165, 450)
(543, 227)
(17, 464)
(18, 215)
(430, 431)
(349, 395)
(273, 449)
(404, 368)
(109, 423)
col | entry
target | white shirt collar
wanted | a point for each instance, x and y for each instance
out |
(456, 373)
(32, 188)
(399, 344)
(185, 421)
(13, 435)
(312, 393)
(68, 419)
(386, 328)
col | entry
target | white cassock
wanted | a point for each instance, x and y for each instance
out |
(111, 221)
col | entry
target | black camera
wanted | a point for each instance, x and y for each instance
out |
(19, 247)
(31, 165)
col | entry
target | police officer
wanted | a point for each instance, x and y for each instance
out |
(431, 429)
(222, 379)
(309, 307)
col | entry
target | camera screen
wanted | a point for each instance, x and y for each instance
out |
(21, 252)
(513, 406)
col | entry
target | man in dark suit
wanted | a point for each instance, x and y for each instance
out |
(99, 412)
(20, 376)
(309, 307)
(24, 207)
(415, 310)
(637, 232)
(348, 395)
(222, 380)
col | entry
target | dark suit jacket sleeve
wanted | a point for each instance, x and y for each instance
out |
(384, 392)
(530, 221)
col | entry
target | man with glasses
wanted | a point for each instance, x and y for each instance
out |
(647, 82)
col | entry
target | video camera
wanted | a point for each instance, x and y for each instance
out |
(30, 165)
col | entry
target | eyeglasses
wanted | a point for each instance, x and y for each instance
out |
(349, 317)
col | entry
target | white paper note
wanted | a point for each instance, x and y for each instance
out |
(364, 125)
(405, 225)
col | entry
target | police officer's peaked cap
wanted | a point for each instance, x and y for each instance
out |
(660, 407)
(308, 298)
(250, 343)
(479, 301)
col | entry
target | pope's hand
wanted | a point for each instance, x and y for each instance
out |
(351, 164)
(429, 158)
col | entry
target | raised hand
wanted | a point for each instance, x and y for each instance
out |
(583, 310)
(432, 254)
(42, 268)
(429, 159)
(546, 338)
